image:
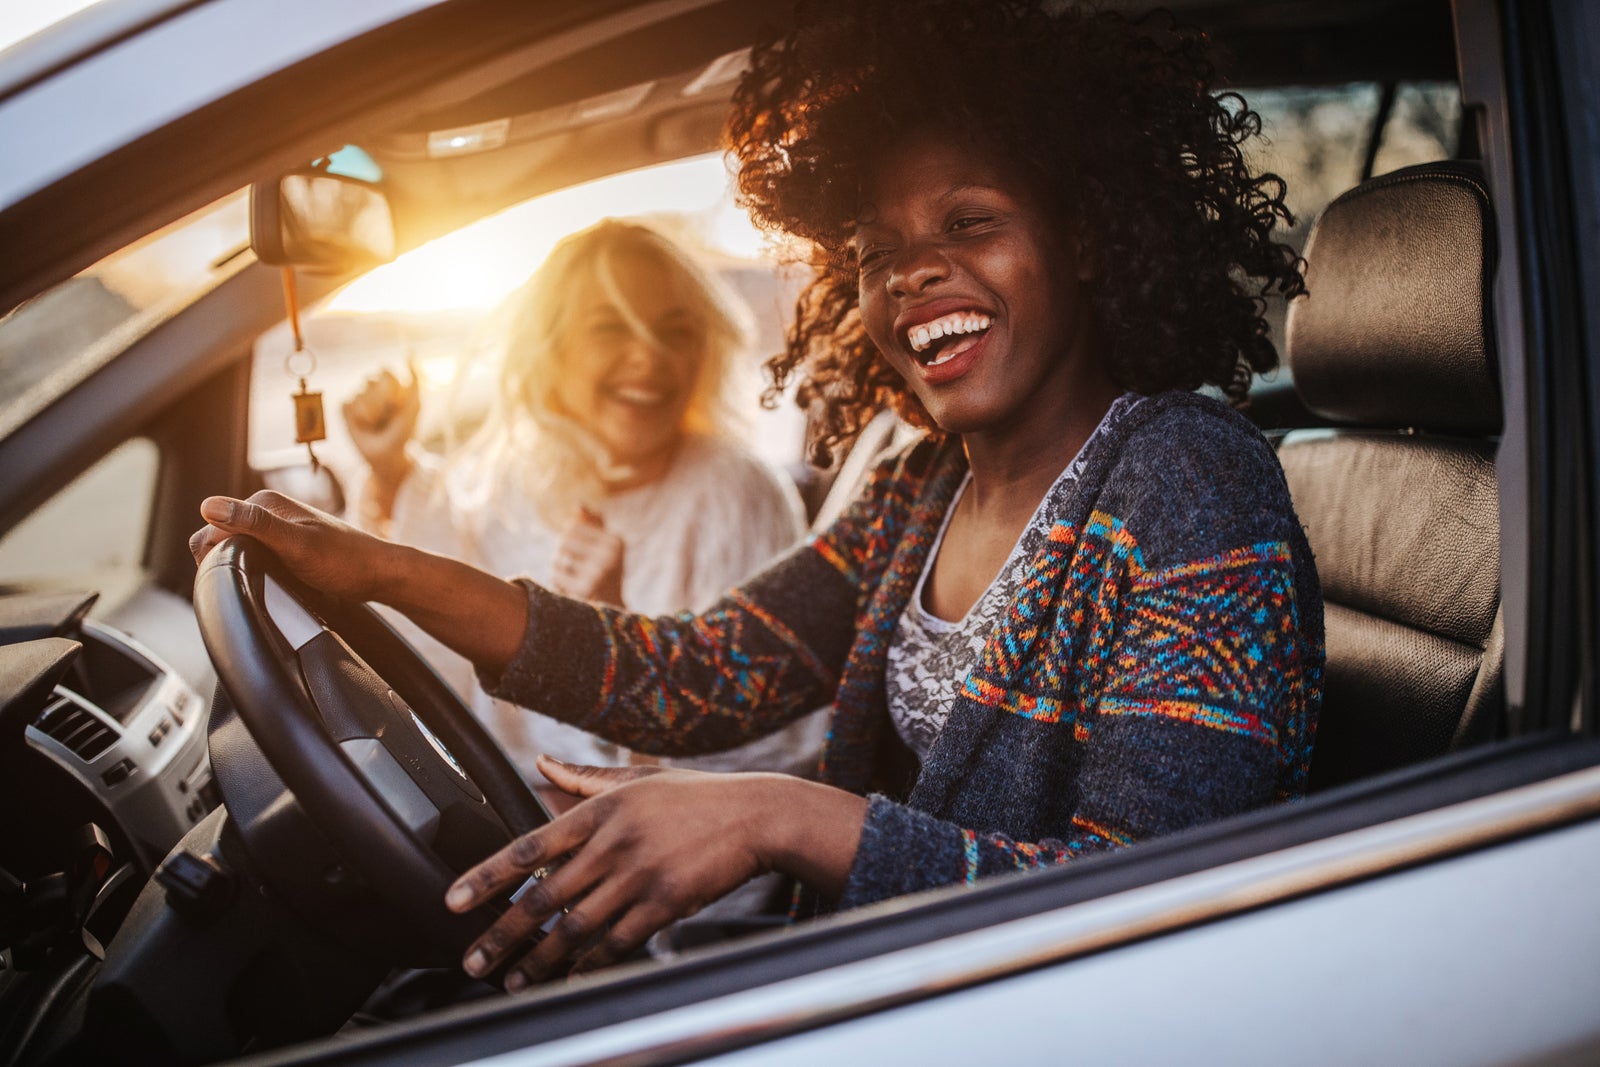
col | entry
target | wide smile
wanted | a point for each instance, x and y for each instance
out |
(944, 339)
(641, 397)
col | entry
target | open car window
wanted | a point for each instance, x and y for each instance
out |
(1468, 830)
(1318, 138)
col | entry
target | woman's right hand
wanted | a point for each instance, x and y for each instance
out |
(317, 548)
(648, 846)
(382, 419)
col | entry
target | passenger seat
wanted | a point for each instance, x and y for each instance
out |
(1401, 507)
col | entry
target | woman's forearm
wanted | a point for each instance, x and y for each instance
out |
(472, 612)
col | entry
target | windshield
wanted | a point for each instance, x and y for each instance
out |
(433, 308)
(58, 338)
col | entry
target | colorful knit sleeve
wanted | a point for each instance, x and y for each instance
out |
(768, 652)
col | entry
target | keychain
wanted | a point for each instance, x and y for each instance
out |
(309, 424)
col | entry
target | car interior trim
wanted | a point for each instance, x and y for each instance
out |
(1480, 53)
(1054, 937)
(294, 622)
(1561, 623)
(836, 945)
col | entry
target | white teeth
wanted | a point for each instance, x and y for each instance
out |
(639, 396)
(921, 336)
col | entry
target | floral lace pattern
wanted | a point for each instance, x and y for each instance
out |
(929, 657)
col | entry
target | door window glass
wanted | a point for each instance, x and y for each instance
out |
(1424, 126)
(51, 343)
(93, 531)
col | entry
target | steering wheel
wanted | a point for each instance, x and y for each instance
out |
(394, 771)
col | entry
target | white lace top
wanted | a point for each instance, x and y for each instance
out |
(929, 657)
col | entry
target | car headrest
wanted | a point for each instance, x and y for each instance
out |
(1394, 328)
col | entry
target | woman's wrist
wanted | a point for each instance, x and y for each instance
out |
(808, 830)
(472, 612)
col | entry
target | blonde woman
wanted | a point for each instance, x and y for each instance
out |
(605, 470)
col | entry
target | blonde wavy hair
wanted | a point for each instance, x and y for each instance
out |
(528, 444)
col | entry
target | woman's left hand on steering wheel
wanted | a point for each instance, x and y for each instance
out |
(649, 846)
(319, 549)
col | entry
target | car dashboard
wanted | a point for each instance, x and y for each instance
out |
(119, 737)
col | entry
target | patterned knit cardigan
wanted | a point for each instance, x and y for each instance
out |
(1160, 667)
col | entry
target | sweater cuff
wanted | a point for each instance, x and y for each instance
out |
(561, 654)
(902, 851)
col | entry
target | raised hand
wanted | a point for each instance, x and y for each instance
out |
(588, 560)
(382, 419)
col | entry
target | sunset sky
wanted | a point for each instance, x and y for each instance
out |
(476, 266)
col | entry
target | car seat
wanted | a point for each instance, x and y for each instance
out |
(1400, 503)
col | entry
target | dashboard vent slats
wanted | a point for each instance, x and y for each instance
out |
(78, 729)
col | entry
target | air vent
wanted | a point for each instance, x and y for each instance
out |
(80, 730)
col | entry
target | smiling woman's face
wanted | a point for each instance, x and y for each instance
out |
(968, 290)
(631, 389)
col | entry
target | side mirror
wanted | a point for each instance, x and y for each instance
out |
(322, 222)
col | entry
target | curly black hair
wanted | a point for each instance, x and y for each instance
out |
(1114, 122)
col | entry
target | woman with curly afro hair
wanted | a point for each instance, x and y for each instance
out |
(1114, 135)
(1077, 613)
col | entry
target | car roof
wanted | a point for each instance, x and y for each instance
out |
(77, 36)
(111, 150)
(84, 89)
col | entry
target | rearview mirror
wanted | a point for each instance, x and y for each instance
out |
(320, 221)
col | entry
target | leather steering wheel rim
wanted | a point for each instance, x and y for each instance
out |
(267, 682)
